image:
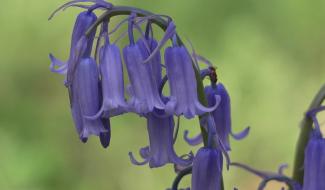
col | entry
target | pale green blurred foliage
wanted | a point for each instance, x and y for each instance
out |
(269, 54)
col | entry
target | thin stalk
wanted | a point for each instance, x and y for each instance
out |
(179, 177)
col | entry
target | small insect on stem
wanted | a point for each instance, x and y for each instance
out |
(213, 74)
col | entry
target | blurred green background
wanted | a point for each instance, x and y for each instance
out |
(269, 54)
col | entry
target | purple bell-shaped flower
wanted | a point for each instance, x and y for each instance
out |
(160, 150)
(111, 70)
(221, 116)
(85, 100)
(143, 90)
(182, 83)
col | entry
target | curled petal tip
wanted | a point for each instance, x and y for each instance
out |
(202, 109)
(282, 167)
(135, 162)
(241, 135)
(192, 141)
(62, 66)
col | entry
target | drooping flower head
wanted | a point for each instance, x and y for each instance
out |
(221, 116)
(182, 83)
(85, 100)
(83, 80)
(160, 150)
(143, 90)
(111, 71)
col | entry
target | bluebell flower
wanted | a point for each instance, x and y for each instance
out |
(182, 83)
(85, 100)
(221, 116)
(207, 169)
(111, 70)
(143, 90)
(160, 150)
(83, 22)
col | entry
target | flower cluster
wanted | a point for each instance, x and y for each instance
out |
(96, 85)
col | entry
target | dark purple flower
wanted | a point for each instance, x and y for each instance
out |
(182, 83)
(160, 150)
(85, 100)
(83, 22)
(207, 169)
(143, 90)
(111, 70)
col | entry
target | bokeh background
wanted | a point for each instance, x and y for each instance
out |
(269, 54)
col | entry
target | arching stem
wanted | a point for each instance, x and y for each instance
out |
(179, 177)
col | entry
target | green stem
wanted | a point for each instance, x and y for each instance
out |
(306, 127)
(179, 177)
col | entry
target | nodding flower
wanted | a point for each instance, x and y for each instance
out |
(314, 163)
(83, 22)
(111, 70)
(160, 150)
(182, 83)
(143, 90)
(85, 100)
(221, 116)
